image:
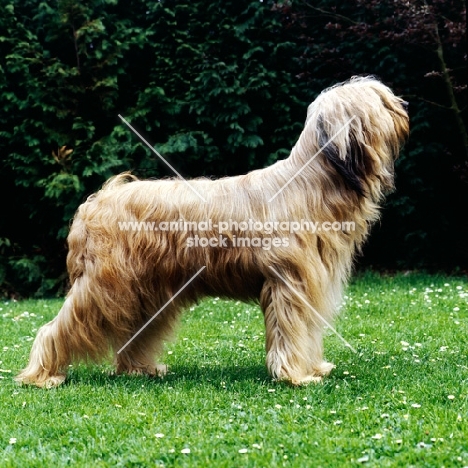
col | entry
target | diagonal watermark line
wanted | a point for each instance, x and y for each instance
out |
(301, 297)
(312, 158)
(161, 309)
(159, 156)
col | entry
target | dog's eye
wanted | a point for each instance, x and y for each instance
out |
(405, 105)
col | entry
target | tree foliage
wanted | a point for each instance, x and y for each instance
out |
(419, 49)
(212, 84)
(220, 88)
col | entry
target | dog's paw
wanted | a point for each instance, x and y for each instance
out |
(53, 381)
(308, 379)
(49, 382)
(153, 370)
(324, 368)
(316, 376)
(158, 370)
(161, 370)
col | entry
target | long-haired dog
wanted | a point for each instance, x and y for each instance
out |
(128, 286)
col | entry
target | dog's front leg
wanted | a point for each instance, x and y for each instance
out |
(294, 343)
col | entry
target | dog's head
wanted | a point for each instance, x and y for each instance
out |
(360, 127)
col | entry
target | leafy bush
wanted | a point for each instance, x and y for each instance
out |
(220, 88)
(213, 85)
(419, 49)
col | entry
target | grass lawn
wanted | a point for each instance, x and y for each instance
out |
(402, 400)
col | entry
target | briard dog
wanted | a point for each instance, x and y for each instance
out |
(273, 235)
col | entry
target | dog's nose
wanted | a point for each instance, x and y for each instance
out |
(405, 105)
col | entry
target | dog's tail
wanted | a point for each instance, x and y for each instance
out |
(120, 179)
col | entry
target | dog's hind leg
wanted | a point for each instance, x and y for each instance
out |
(293, 334)
(138, 355)
(146, 342)
(51, 353)
(79, 331)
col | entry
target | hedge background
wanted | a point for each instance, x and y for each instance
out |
(220, 88)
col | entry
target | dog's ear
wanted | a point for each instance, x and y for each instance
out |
(349, 163)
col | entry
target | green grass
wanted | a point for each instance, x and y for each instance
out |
(402, 400)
